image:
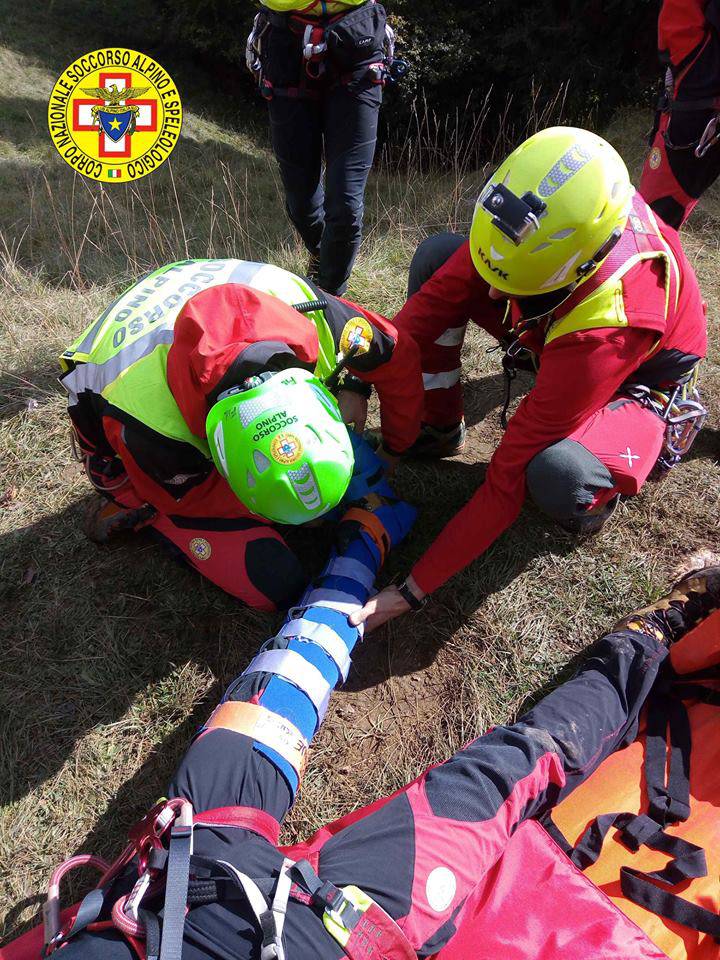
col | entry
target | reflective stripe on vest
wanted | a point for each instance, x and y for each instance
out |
(122, 356)
(603, 304)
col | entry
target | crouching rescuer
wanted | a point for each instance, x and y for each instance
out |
(577, 280)
(203, 406)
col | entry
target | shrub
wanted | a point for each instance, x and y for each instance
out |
(503, 60)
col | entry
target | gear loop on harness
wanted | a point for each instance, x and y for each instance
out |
(681, 407)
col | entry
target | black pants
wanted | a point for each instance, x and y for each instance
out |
(340, 127)
(382, 850)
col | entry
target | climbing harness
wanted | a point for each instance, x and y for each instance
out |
(681, 407)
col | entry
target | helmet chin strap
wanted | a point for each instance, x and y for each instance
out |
(541, 304)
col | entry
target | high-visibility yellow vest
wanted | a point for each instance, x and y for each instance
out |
(122, 356)
(312, 8)
(600, 301)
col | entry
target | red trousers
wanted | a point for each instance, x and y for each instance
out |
(620, 443)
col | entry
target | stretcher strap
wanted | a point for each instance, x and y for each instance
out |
(641, 891)
(252, 819)
(373, 526)
(352, 570)
(323, 596)
(294, 668)
(667, 757)
(667, 774)
(323, 636)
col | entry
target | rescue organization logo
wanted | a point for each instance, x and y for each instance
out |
(200, 548)
(286, 449)
(357, 333)
(655, 158)
(114, 115)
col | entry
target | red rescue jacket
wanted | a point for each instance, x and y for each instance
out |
(579, 373)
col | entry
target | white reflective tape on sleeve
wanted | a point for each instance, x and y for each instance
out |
(324, 637)
(294, 668)
(452, 337)
(353, 570)
(441, 381)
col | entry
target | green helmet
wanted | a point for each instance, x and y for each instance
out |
(282, 446)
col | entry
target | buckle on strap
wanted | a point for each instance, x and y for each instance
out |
(343, 908)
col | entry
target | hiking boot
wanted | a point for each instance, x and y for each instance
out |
(105, 518)
(689, 602)
(438, 442)
(590, 523)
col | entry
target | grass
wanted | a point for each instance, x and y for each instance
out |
(112, 657)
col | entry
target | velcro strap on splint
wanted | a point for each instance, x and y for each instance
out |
(352, 570)
(294, 668)
(266, 727)
(324, 637)
(373, 526)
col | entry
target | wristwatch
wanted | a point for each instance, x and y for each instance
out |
(410, 598)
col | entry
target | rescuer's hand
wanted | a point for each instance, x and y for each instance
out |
(384, 606)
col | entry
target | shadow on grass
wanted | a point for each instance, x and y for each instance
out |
(94, 629)
(204, 202)
(57, 33)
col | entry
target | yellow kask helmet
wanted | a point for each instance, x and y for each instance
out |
(550, 213)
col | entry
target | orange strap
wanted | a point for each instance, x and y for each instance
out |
(372, 525)
(266, 727)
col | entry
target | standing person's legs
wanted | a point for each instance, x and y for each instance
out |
(612, 453)
(674, 177)
(297, 139)
(350, 128)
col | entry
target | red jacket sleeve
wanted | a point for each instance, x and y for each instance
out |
(454, 294)
(398, 382)
(578, 375)
(211, 497)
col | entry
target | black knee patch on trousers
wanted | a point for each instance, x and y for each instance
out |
(430, 255)
(275, 571)
(564, 478)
